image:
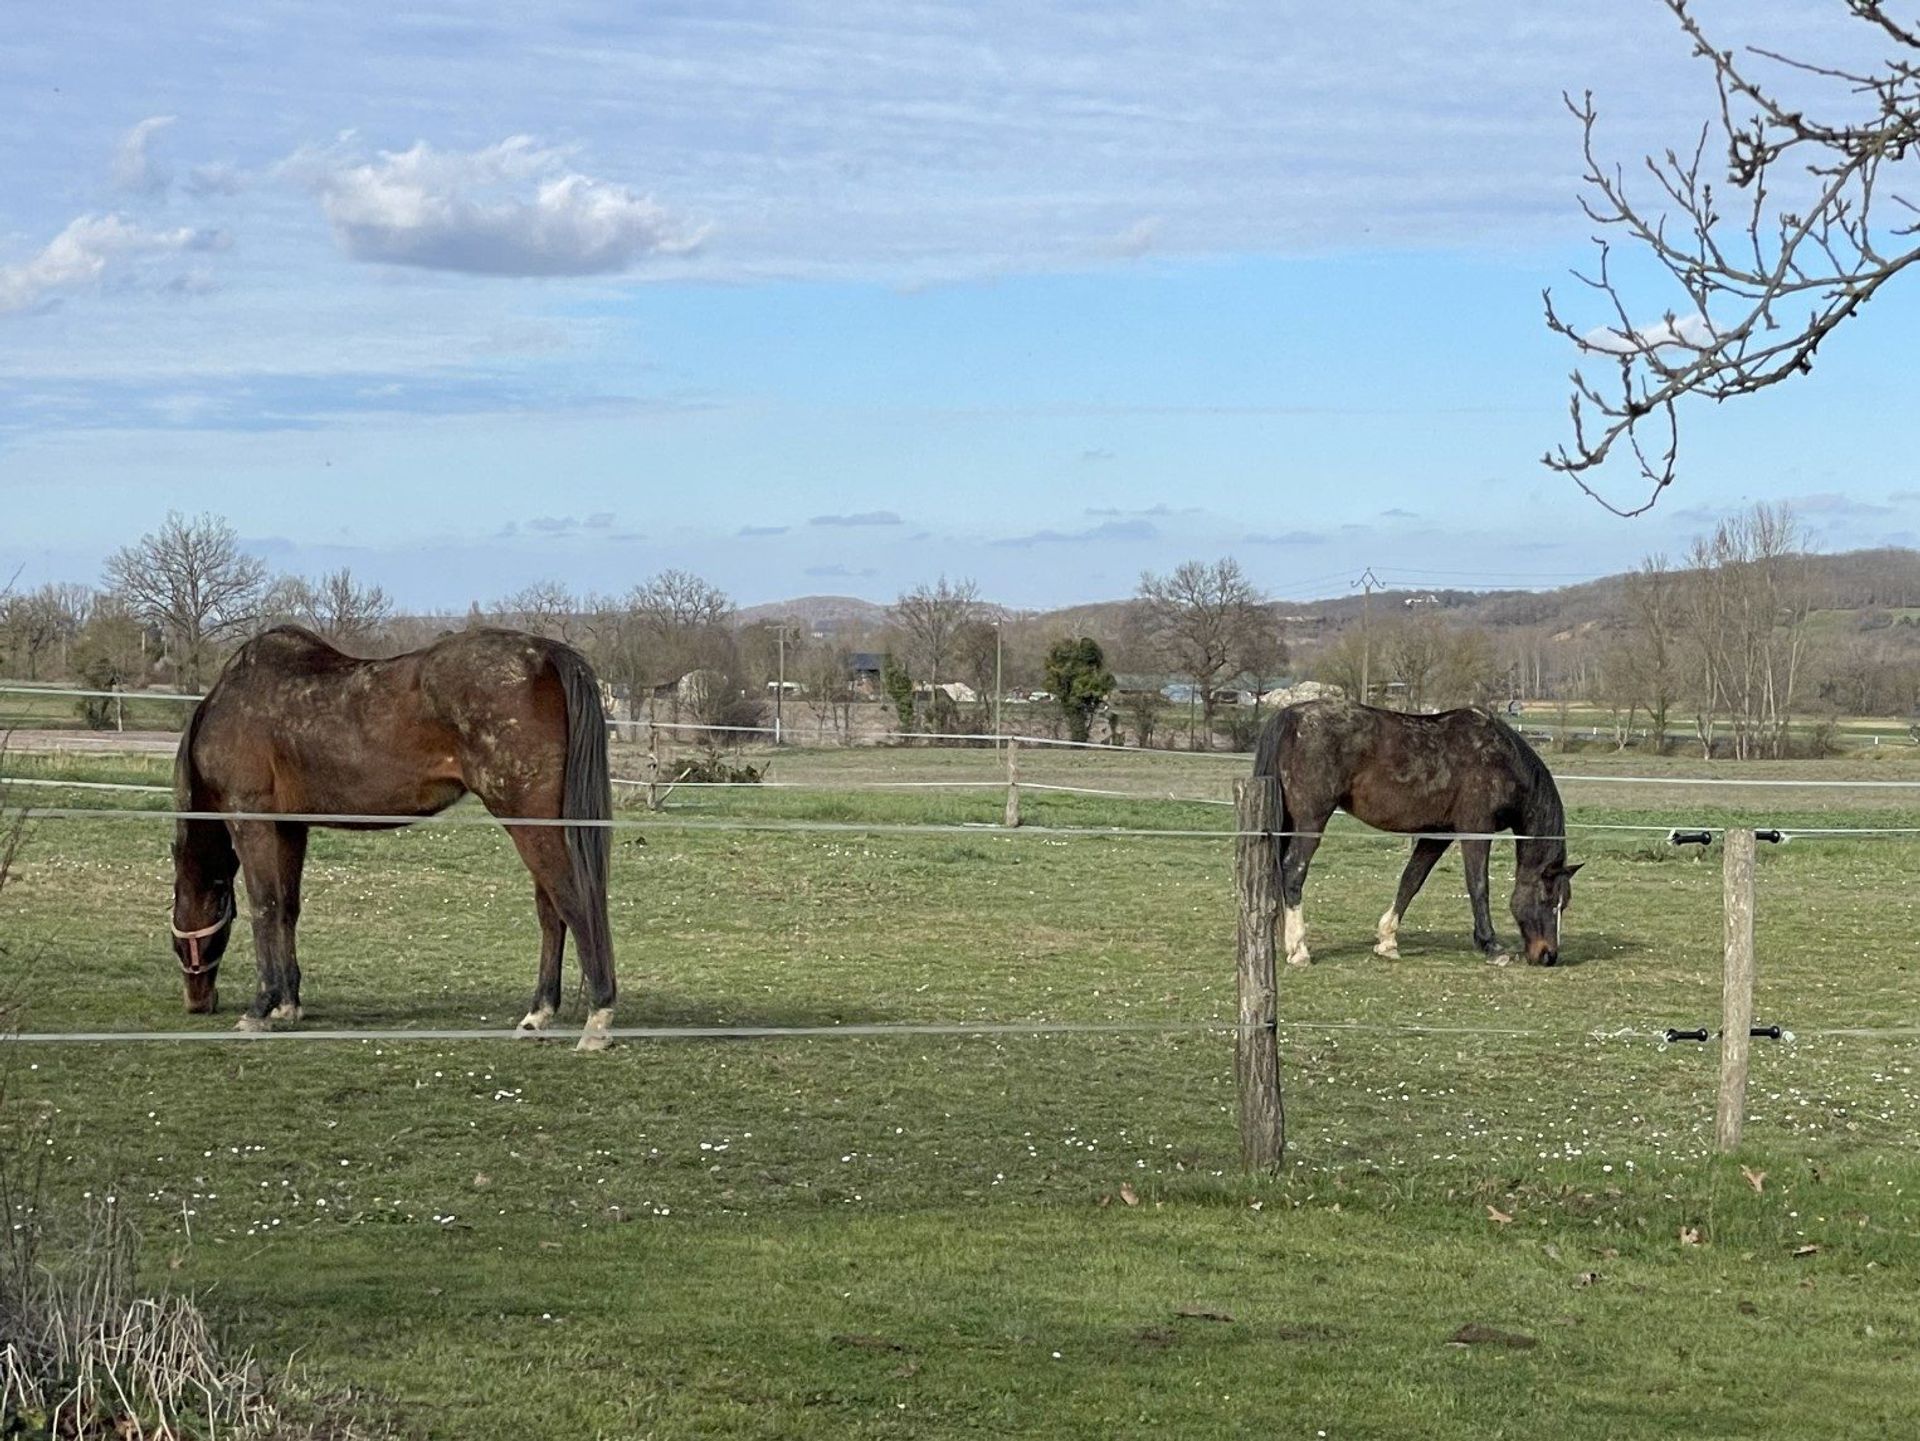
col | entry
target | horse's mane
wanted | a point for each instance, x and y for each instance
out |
(1541, 813)
(183, 773)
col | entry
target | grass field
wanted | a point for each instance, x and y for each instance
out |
(1017, 1234)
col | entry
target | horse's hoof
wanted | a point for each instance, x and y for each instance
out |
(1499, 958)
(596, 1036)
(534, 1022)
(1299, 957)
(1387, 951)
(253, 1023)
(285, 1011)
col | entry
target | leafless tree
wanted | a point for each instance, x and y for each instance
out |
(338, 607)
(1747, 602)
(659, 632)
(546, 607)
(191, 579)
(1652, 659)
(1757, 279)
(1200, 615)
(930, 620)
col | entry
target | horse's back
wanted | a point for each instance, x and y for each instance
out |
(1392, 769)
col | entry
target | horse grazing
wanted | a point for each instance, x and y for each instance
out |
(296, 728)
(1431, 776)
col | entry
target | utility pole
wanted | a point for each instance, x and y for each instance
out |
(1366, 585)
(997, 732)
(780, 686)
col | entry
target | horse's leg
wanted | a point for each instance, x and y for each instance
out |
(1475, 853)
(272, 855)
(1294, 861)
(544, 850)
(553, 944)
(1427, 851)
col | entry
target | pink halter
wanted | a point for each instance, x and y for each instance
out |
(193, 966)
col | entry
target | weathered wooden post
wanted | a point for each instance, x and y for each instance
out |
(1256, 1054)
(1013, 783)
(1736, 994)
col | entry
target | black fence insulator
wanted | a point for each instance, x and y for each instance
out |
(1689, 838)
(1772, 838)
(1772, 1033)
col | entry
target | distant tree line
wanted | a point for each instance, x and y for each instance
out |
(1727, 649)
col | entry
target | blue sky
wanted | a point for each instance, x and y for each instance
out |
(840, 297)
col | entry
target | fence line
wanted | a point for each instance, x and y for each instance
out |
(99, 694)
(748, 823)
(881, 1030)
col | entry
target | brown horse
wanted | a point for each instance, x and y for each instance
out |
(293, 727)
(1460, 772)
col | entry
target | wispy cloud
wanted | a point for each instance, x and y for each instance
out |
(748, 531)
(79, 256)
(1155, 512)
(135, 167)
(1290, 537)
(1112, 530)
(864, 517)
(839, 572)
(471, 211)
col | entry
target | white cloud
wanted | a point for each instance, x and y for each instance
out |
(79, 256)
(448, 210)
(1692, 332)
(135, 167)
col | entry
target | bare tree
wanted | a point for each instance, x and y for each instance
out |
(546, 607)
(1652, 659)
(1748, 599)
(336, 606)
(660, 632)
(1754, 286)
(1200, 615)
(191, 579)
(930, 620)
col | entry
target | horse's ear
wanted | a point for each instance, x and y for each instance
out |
(1568, 871)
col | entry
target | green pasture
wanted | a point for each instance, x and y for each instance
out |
(1015, 1234)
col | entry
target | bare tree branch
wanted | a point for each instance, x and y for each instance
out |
(1755, 291)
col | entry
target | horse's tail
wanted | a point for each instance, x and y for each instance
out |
(587, 796)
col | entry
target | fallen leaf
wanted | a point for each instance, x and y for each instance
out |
(1755, 1179)
(1474, 1334)
(901, 1373)
(1747, 1308)
(1127, 1194)
(1105, 1201)
(481, 1180)
(1689, 1235)
(1201, 1313)
(1498, 1217)
(1553, 1251)
(1587, 1278)
(1810, 1249)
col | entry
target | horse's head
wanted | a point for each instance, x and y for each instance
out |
(1540, 895)
(203, 908)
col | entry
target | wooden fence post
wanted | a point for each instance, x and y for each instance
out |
(1736, 995)
(1256, 1053)
(1013, 783)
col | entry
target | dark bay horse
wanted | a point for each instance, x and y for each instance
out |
(1460, 772)
(295, 728)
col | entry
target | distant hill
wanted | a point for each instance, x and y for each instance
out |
(1887, 578)
(819, 612)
